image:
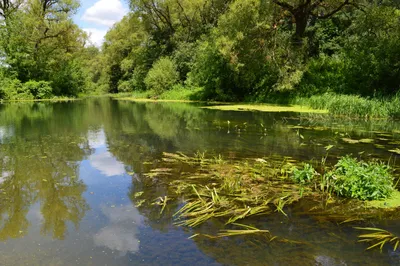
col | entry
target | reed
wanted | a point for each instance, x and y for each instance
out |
(378, 238)
(353, 105)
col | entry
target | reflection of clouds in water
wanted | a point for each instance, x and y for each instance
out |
(107, 164)
(4, 174)
(5, 132)
(103, 160)
(121, 234)
(97, 139)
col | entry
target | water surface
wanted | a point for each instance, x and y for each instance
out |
(73, 192)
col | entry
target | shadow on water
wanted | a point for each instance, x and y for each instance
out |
(73, 189)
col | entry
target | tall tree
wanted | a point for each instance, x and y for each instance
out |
(303, 10)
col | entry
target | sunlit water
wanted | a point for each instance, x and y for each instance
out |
(70, 174)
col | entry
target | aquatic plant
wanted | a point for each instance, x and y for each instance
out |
(378, 238)
(351, 179)
(229, 191)
(305, 175)
(361, 180)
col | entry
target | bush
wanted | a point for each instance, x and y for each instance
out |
(324, 74)
(361, 180)
(162, 76)
(13, 89)
(39, 89)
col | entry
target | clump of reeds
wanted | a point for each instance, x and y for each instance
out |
(353, 105)
(230, 190)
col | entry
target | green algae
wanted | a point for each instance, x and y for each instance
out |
(392, 202)
(266, 108)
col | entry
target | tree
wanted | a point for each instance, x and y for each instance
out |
(39, 41)
(303, 10)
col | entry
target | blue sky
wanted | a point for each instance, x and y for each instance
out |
(97, 16)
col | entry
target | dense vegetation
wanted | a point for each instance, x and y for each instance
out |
(230, 50)
(41, 49)
(254, 50)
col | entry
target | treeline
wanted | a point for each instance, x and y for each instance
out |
(253, 49)
(231, 50)
(42, 52)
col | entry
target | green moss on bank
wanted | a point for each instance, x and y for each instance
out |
(392, 202)
(266, 108)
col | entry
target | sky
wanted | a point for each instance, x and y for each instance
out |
(97, 16)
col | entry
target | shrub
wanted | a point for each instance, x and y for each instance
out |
(162, 76)
(39, 89)
(14, 90)
(305, 175)
(361, 180)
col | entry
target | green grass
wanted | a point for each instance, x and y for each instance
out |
(352, 105)
(177, 93)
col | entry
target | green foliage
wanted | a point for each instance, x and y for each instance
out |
(351, 178)
(361, 180)
(305, 175)
(40, 42)
(13, 89)
(39, 89)
(353, 105)
(162, 76)
(323, 74)
(236, 50)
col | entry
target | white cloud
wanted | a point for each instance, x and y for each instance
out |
(107, 164)
(105, 12)
(97, 139)
(96, 36)
(121, 234)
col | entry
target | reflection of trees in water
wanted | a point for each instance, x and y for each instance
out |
(38, 164)
(41, 172)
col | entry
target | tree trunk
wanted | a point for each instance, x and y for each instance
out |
(301, 20)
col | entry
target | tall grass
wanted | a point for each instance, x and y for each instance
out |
(353, 105)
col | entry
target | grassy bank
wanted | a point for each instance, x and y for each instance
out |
(339, 105)
(53, 99)
(352, 105)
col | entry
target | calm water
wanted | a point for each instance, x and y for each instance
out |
(70, 174)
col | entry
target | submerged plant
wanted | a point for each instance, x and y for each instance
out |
(378, 238)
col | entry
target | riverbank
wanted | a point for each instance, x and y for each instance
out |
(339, 105)
(54, 99)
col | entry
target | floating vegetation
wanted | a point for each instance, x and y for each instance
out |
(354, 141)
(235, 190)
(266, 108)
(378, 238)
(397, 151)
(209, 188)
(248, 230)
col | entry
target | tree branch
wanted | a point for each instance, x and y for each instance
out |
(333, 12)
(284, 5)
